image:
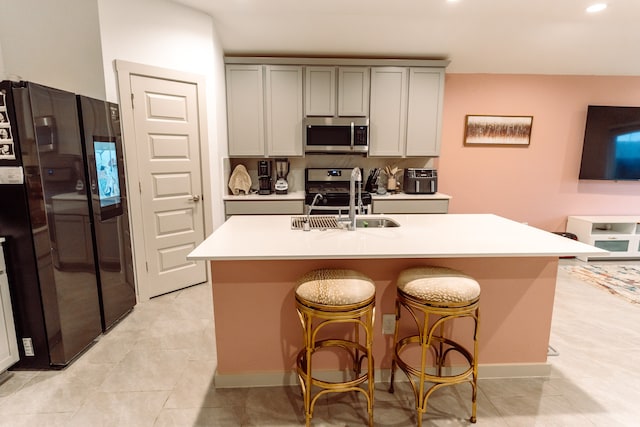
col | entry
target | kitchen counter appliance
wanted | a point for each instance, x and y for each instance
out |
(282, 170)
(420, 181)
(333, 185)
(338, 135)
(264, 177)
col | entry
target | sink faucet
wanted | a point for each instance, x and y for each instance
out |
(316, 198)
(356, 175)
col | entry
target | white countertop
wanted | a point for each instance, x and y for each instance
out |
(292, 195)
(299, 195)
(406, 196)
(266, 237)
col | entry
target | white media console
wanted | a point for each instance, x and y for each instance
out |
(620, 235)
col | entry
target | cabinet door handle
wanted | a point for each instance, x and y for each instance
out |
(195, 198)
(352, 134)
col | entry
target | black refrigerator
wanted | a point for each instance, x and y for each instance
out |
(64, 217)
(105, 175)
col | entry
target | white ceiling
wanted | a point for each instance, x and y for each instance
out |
(478, 36)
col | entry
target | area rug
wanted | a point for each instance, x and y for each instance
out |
(623, 280)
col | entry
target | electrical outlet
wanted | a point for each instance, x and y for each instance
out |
(388, 324)
(28, 347)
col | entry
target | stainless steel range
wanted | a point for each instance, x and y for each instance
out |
(332, 185)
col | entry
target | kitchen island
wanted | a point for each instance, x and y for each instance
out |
(255, 261)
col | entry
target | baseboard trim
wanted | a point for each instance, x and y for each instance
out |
(270, 379)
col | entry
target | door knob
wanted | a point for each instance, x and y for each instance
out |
(195, 198)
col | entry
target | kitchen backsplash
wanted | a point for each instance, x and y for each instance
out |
(298, 165)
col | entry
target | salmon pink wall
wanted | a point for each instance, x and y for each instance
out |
(254, 309)
(537, 184)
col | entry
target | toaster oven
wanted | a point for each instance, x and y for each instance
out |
(420, 181)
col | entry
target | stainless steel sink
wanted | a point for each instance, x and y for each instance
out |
(316, 222)
(376, 222)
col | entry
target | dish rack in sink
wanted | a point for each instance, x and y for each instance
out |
(316, 222)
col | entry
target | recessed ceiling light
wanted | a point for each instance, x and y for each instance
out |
(598, 7)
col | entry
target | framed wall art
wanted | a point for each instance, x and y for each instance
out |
(497, 130)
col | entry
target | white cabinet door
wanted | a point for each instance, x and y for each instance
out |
(353, 91)
(424, 113)
(8, 343)
(410, 206)
(406, 111)
(388, 111)
(283, 100)
(351, 85)
(170, 177)
(320, 91)
(245, 110)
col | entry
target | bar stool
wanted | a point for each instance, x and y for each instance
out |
(442, 294)
(326, 297)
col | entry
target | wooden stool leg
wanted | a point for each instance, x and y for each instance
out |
(440, 351)
(421, 403)
(370, 365)
(474, 383)
(307, 328)
(394, 364)
(356, 359)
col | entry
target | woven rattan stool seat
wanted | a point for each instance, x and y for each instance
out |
(335, 287)
(438, 284)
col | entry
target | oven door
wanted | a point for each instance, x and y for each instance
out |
(336, 135)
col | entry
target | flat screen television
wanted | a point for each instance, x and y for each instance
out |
(611, 148)
(106, 163)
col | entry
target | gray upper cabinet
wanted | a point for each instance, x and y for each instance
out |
(320, 91)
(283, 110)
(267, 99)
(353, 91)
(388, 111)
(245, 110)
(406, 111)
(264, 110)
(336, 91)
(424, 112)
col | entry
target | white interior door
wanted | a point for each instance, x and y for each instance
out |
(167, 139)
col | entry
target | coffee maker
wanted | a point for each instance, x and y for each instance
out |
(264, 177)
(282, 170)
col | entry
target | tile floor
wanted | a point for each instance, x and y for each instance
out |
(156, 367)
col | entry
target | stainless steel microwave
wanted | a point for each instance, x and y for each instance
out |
(336, 135)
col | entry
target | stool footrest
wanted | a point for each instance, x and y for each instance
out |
(454, 346)
(346, 345)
